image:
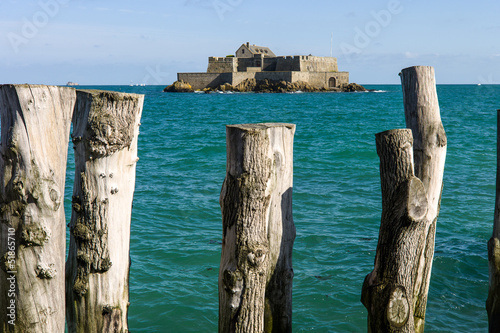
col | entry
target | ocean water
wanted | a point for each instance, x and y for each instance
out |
(177, 229)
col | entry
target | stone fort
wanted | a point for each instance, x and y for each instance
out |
(260, 63)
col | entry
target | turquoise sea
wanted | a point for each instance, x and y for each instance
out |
(177, 229)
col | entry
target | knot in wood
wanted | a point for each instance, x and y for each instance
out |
(55, 197)
(494, 253)
(80, 286)
(45, 271)
(441, 138)
(18, 188)
(34, 234)
(417, 204)
(257, 257)
(77, 204)
(81, 232)
(398, 307)
(107, 309)
(233, 281)
(233, 285)
(76, 139)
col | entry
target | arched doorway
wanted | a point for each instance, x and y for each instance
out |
(332, 82)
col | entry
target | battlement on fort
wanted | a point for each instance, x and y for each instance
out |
(260, 63)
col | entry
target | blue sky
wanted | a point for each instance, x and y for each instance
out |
(122, 42)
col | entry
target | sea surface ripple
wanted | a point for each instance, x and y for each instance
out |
(176, 224)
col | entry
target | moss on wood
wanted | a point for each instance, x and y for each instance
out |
(90, 231)
(110, 122)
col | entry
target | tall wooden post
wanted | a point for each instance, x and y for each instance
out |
(35, 121)
(493, 301)
(388, 290)
(255, 276)
(105, 130)
(429, 149)
(408, 241)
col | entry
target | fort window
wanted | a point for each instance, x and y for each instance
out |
(242, 51)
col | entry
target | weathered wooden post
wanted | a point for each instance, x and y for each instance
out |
(493, 301)
(255, 276)
(407, 240)
(388, 290)
(105, 130)
(35, 121)
(429, 149)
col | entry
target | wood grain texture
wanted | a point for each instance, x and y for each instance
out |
(35, 121)
(255, 276)
(105, 132)
(388, 290)
(423, 117)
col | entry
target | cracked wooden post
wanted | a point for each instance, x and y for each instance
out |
(255, 276)
(429, 149)
(388, 290)
(35, 121)
(493, 301)
(105, 130)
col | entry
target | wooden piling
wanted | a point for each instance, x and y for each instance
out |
(255, 276)
(493, 301)
(388, 290)
(105, 131)
(35, 121)
(423, 117)
(405, 239)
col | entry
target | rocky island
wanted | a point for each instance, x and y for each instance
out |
(264, 86)
(258, 69)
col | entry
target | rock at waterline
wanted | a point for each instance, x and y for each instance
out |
(265, 86)
(179, 86)
(352, 87)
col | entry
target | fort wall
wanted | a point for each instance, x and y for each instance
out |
(322, 79)
(245, 63)
(274, 76)
(204, 80)
(316, 79)
(222, 64)
(278, 64)
(269, 65)
(237, 78)
(288, 63)
(320, 72)
(306, 64)
(318, 64)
